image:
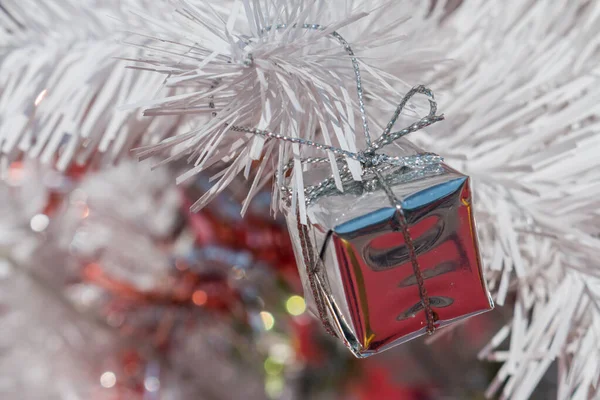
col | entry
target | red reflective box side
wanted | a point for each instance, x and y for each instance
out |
(383, 297)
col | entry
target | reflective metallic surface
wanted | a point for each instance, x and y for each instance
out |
(372, 292)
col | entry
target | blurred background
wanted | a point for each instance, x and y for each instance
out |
(111, 289)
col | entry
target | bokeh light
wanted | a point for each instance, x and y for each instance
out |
(108, 379)
(295, 305)
(199, 298)
(267, 319)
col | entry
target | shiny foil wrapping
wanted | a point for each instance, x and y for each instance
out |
(365, 279)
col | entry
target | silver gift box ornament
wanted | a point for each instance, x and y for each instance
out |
(362, 273)
(395, 255)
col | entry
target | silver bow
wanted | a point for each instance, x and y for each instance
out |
(373, 162)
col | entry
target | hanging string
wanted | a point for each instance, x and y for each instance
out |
(373, 163)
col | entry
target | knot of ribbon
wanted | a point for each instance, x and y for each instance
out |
(372, 160)
(374, 163)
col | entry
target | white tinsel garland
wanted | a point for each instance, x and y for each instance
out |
(45, 344)
(521, 106)
(60, 82)
(266, 65)
(520, 94)
(521, 99)
(56, 339)
(118, 218)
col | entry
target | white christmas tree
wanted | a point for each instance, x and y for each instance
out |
(517, 81)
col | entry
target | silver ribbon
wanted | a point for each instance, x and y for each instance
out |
(374, 163)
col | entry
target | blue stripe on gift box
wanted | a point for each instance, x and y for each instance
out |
(414, 201)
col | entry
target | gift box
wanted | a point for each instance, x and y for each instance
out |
(369, 285)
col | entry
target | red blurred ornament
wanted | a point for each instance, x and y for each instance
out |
(377, 383)
(183, 289)
(307, 349)
(260, 235)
